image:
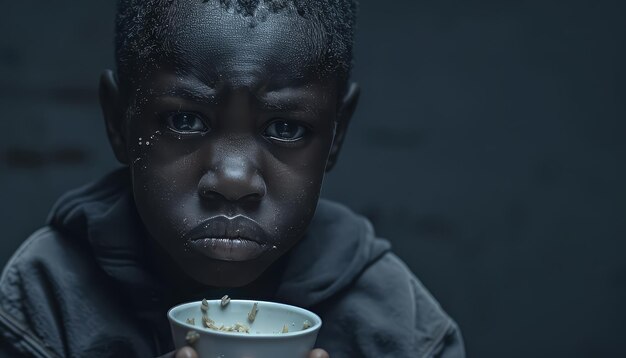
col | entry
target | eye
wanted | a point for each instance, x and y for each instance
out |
(185, 122)
(285, 131)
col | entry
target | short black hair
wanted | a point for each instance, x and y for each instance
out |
(141, 26)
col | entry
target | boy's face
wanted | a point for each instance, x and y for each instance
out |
(228, 141)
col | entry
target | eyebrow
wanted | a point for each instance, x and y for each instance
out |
(277, 101)
(274, 105)
(190, 93)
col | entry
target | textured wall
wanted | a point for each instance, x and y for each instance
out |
(489, 147)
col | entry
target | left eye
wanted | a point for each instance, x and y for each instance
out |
(285, 131)
(185, 122)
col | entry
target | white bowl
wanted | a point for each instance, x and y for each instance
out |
(265, 338)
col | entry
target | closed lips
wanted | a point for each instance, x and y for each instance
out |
(228, 239)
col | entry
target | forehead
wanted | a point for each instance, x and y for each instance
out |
(218, 45)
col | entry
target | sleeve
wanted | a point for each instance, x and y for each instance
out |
(17, 339)
(451, 346)
(7, 349)
(437, 331)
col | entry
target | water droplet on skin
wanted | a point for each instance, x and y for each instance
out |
(274, 247)
(139, 138)
(147, 143)
(140, 143)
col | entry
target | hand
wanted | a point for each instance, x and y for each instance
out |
(188, 352)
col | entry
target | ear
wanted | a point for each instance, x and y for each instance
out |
(346, 110)
(110, 102)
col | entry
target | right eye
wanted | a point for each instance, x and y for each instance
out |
(185, 122)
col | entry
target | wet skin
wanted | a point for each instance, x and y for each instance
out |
(228, 140)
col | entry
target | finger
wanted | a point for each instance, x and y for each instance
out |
(186, 352)
(318, 353)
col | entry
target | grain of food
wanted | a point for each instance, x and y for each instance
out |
(191, 321)
(241, 328)
(253, 312)
(205, 305)
(208, 323)
(306, 325)
(192, 337)
(285, 329)
(225, 301)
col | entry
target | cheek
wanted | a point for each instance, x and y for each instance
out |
(156, 201)
(293, 190)
(162, 184)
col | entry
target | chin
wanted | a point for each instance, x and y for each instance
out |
(227, 274)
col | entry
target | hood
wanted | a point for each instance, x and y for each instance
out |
(103, 215)
(338, 245)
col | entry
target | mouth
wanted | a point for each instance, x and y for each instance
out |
(228, 239)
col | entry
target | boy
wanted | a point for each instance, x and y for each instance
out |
(226, 114)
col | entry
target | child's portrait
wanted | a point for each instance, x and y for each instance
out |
(293, 178)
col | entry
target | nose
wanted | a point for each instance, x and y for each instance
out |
(233, 179)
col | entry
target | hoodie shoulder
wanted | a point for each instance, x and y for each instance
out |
(389, 313)
(370, 302)
(55, 301)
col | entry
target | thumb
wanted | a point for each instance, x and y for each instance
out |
(318, 353)
(186, 352)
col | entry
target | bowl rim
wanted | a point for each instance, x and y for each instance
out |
(314, 327)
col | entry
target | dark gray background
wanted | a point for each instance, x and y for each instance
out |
(489, 148)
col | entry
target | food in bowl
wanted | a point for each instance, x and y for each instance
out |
(244, 328)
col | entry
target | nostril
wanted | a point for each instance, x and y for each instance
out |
(209, 194)
(251, 197)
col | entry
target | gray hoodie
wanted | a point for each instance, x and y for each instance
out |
(80, 286)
